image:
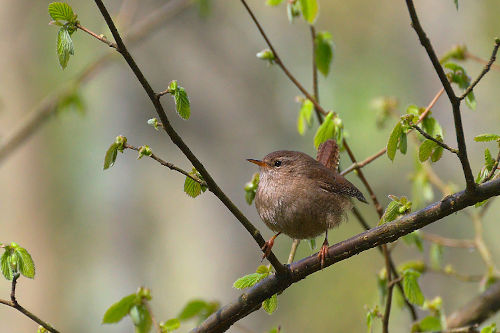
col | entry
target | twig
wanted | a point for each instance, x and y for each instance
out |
(439, 143)
(485, 70)
(250, 301)
(459, 276)
(390, 287)
(480, 245)
(102, 38)
(493, 169)
(169, 165)
(315, 72)
(177, 140)
(454, 100)
(293, 250)
(14, 304)
(448, 242)
(480, 60)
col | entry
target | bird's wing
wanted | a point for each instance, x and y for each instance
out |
(336, 183)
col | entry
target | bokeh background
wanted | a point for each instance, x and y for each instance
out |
(97, 235)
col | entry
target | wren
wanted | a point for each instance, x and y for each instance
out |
(301, 197)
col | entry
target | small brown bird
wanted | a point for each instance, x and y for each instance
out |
(301, 197)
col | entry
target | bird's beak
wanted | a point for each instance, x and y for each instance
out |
(258, 162)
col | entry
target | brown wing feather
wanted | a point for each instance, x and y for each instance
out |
(329, 155)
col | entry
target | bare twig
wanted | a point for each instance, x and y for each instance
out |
(177, 140)
(102, 38)
(448, 242)
(315, 72)
(168, 165)
(485, 70)
(293, 250)
(439, 143)
(480, 60)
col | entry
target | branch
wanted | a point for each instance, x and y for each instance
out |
(315, 73)
(494, 169)
(454, 100)
(177, 140)
(49, 104)
(169, 165)
(250, 301)
(485, 70)
(439, 143)
(449, 242)
(477, 310)
(14, 304)
(102, 38)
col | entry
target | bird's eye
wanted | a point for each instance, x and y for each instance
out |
(277, 163)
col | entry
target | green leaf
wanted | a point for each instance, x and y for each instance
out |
(312, 244)
(251, 188)
(182, 103)
(41, 329)
(436, 255)
(456, 3)
(429, 324)
(414, 238)
(305, 116)
(411, 288)
(170, 325)
(330, 129)
(120, 309)
(273, 2)
(192, 188)
(64, 47)
(470, 100)
(110, 157)
(141, 318)
(437, 154)
(392, 144)
(403, 143)
(369, 320)
(492, 328)
(292, 10)
(262, 270)
(486, 137)
(270, 304)
(488, 159)
(61, 11)
(5, 263)
(71, 102)
(144, 151)
(25, 262)
(192, 309)
(324, 51)
(417, 265)
(391, 212)
(425, 150)
(309, 10)
(248, 280)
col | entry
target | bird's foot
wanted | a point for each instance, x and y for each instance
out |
(323, 253)
(267, 247)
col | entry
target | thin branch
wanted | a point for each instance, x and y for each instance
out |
(102, 38)
(250, 301)
(177, 140)
(454, 100)
(493, 169)
(390, 287)
(448, 242)
(15, 305)
(293, 250)
(485, 70)
(480, 60)
(315, 72)
(169, 165)
(483, 250)
(439, 143)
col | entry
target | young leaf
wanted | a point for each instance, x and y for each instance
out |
(324, 51)
(192, 188)
(192, 309)
(403, 143)
(182, 103)
(120, 309)
(425, 150)
(429, 324)
(249, 280)
(309, 10)
(305, 116)
(437, 154)
(492, 328)
(64, 47)
(25, 262)
(489, 161)
(273, 2)
(328, 130)
(110, 158)
(392, 144)
(144, 151)
(436, 256)
(391, 212)
(262, 270)
(486, 137)
(312, 244)
(456, 4)
(61, 11)
(251, 188)
(170, 325)
(5, 265)
(141, 318)
(270, 304)
(292, 10)
(470, 100)
(411, 288)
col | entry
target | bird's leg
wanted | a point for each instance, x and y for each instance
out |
(323, 252)
(266, 248)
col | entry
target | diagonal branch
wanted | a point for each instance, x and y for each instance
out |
(439, 143)
(177, 140)
(250, 301)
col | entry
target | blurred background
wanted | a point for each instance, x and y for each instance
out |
(95, 235)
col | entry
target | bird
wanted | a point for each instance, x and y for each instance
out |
(303, 197)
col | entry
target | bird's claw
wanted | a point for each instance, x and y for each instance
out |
(266, 248)
(323, 253)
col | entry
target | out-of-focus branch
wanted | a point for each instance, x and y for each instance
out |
(250, 301)
(177, 140)
(448, 242)
(477, 310)
(480, 60)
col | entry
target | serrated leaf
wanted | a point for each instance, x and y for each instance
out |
(325, 131)
(5, 265)
(305, 116)
(273, 3)
(25, 262)
(403, 143)
(141, 318)
(192, 188)
(248, 280)
(110, 157)
(262, 270)
(391, 212)
(64, 47)
(470, 100)
(170, 325)
(436, 256)
(309, 10)
(270, 304)
(61, 11)
(488, 159)
(429, 324)
(437, 154)
(192, 309)
(324, 51)
(182, 103)
(486, 137)
(120, 309)
(411, 288)
(392, 144)
(425, 150)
